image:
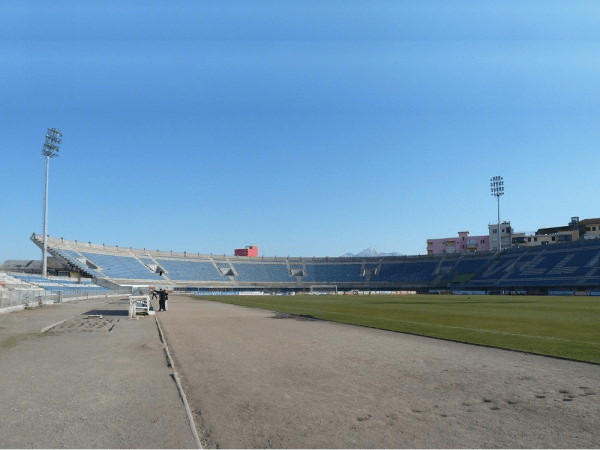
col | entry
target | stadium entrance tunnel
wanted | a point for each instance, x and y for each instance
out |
(226, 271)
(156, 268)
(91, 265)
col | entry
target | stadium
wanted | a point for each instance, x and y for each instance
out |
(560, 269)
(436, 345)
(301, 128)
(407, 376)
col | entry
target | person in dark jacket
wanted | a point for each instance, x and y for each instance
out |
(161, 299)
(166, 297)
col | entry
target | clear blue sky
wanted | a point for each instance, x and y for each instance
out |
(308, 128)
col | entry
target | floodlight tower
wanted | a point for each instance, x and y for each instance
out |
(49, 150)
(497, 185)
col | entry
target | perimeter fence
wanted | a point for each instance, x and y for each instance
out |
(17, 295)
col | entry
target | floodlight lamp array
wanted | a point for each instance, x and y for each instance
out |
(53, 140)
(497, 185)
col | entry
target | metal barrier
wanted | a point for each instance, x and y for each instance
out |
(17, 295)
(139, 303)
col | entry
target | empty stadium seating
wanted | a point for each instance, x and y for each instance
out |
(417, 272)
(260, 272)
(333, 273)
(121, 267)
(190, 270)
(62, 285)
(568, 265)
(573, 264)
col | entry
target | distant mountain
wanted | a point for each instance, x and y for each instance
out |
(370, 252)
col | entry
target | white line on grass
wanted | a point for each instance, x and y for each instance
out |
(433, 324)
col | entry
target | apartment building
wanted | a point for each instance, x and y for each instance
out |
(461, 244)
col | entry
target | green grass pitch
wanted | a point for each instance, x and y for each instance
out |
(565, 327)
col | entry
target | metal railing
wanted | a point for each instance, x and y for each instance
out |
(17, 295)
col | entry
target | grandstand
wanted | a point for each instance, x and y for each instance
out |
(18, 290)
(572, 266)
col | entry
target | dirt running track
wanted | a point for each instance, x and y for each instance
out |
(88, 382)
(257, 381)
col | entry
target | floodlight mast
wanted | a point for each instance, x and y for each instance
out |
(497, 185)
(50, 150)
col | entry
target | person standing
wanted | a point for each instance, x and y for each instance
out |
(161, 299)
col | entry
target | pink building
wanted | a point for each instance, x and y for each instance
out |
(462, 244)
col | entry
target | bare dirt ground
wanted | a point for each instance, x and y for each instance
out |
(256, 379)
(87, 382)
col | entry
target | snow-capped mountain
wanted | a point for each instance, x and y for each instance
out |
(370, 252)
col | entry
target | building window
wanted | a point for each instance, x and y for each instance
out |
(528, 239)
(494, 231)
(553, 238)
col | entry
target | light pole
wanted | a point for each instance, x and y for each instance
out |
(49, 150)
(497, 184)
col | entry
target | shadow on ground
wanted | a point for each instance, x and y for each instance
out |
(108, 312)
(280, 315)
